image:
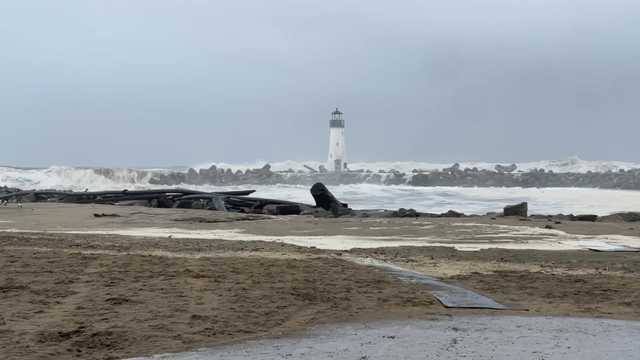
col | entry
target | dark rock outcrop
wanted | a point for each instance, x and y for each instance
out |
(521, 210)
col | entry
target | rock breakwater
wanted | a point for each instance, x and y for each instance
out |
(502, 176)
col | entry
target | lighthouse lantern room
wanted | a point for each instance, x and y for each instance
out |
(337, 150)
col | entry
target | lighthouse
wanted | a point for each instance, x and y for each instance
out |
(337, 150)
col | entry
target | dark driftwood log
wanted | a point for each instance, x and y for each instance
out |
(282, 209)
(161, 196)
(15, 195)
(223, 194)
(236, 193)
(228, 201)
(325, 199)
(106, 194)
(245, 200)
(237, 201)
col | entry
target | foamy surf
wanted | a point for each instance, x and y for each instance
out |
(73, 178)
(368, 196)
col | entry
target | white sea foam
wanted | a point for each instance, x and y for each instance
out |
(468, 200)
(490, 236)
(69, 178)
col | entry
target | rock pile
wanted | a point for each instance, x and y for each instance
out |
(502, 176)
(623, 179)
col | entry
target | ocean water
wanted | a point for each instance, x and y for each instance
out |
(367, 196)
(467, 200)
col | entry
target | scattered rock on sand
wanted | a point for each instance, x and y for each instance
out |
(590, 218)
(105, 215)
(403, 213)
(452, 214)
(521, 210)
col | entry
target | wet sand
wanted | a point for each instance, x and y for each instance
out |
(70, 303)
(471, 233)
(479, 338)
(105, 296)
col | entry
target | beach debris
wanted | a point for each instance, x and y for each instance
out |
(163, 197)
(325, 199)
(284, 209)
(228, 201)
(521, 210)
(450, 296)
(105, 215)
(589, 218)
(606, 247)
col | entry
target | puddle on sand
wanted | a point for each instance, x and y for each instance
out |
(482, 337)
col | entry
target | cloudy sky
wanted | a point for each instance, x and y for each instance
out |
(168, 82)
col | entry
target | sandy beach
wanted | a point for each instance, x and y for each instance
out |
(146, 281)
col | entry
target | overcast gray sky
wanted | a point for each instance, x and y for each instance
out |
(159, 82)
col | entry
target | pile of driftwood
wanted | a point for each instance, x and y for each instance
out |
(231, 201)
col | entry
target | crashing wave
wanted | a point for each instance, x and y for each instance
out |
(69, 178)
(572, 164)
(95, 179)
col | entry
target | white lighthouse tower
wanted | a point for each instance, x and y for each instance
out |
(337, 149)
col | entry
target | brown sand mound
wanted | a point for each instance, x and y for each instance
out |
(61, 305)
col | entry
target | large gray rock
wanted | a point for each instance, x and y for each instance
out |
(521, 210)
